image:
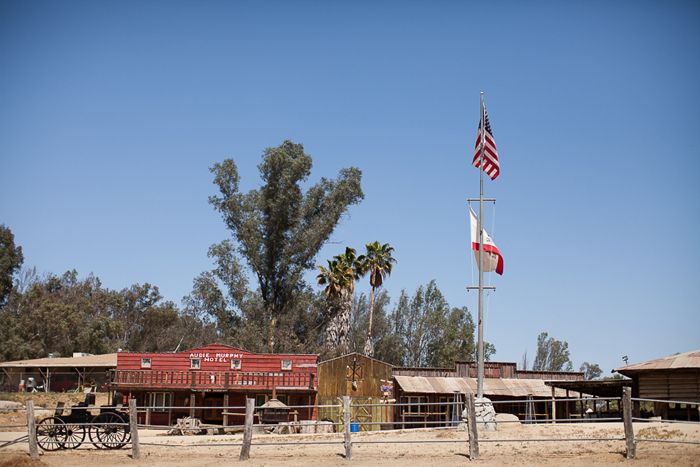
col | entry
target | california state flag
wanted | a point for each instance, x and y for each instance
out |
(493, 261)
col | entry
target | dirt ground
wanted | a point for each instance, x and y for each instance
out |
(410, 448)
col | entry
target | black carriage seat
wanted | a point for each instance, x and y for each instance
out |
(117, 400)
(89, 400)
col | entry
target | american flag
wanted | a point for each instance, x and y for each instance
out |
(491, 166)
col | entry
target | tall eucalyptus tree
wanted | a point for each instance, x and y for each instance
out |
(277, 230)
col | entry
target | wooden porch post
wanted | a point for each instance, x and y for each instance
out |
(225, 422)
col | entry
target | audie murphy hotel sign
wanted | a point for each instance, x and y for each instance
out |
(218, 357)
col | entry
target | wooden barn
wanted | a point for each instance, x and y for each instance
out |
(674, 378)
(201, 381)
(367, 381)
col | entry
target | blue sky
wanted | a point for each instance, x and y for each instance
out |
(112, 112)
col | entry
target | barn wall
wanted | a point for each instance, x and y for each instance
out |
(672, 385)
(335, 377)
(335, 380)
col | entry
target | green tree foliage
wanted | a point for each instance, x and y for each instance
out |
(591, 371)
(424, 318)
(149, 323)
(552, 355)
(277, 231)
(387, 344)
(421, 330)
(66, 314)
(11, 260)
(432, 333)
(378, 262)
(59, 315)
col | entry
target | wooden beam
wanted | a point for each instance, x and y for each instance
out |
(133, 428)
(347, 426)
(627, 421)
(248, 430)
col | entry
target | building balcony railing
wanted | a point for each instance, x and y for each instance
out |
(211, 380)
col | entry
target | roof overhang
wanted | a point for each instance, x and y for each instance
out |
(105, 360)
(602, 388)
(492, 386)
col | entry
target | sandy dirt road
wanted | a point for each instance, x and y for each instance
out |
(410, 448)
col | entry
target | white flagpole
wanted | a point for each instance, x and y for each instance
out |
(480, 344)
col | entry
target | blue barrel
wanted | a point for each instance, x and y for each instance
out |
(354, 427)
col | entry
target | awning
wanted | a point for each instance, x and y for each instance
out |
(600, 388)
(492, 386)
(104, 360)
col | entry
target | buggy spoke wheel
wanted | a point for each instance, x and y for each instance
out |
(108, 431)
(50, 434)
(75, 435)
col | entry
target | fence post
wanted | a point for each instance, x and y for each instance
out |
(31, 430)
(627, 421)
(247, 430)
(471, 426)
(346, 422)
(133, 428)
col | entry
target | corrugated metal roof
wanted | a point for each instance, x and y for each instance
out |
(104, 360)
(682, 361)
(492, 386)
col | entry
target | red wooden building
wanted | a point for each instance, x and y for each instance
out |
(200, 382)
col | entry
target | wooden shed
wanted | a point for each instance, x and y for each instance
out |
(60, 374)
(367, 381)
(675, 378)
(200, 382)
(433, 396)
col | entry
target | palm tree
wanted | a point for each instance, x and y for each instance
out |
(339, 279)
(379, 263)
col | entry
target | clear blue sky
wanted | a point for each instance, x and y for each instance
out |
(112, 112)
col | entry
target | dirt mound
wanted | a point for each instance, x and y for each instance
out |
(23, 461)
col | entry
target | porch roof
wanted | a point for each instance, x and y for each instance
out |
(492, 386)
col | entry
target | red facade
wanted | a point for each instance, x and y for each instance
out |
(213, 382)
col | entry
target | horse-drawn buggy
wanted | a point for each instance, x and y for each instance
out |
(68, 428)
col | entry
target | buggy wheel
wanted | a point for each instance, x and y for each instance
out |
(75, 435)
(50, 434)
(108, 431)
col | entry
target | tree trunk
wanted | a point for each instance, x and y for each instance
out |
(369, 345)
(338, 329)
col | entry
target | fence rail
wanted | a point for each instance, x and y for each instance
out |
(348, 440)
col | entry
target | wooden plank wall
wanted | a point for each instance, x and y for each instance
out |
(333, 380)
(218, 357)
(672, 385)
(427, 372)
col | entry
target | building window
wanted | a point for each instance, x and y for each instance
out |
(195, 363)
(159, 401)
(445, 407)
(235, 364)
(286, 364)
(145, 363)
(415, 405)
